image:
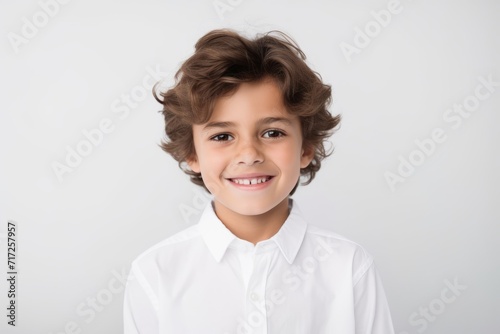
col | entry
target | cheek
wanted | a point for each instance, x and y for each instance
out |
(211, 164)
(288, 158)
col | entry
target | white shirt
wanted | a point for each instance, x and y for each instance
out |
(304, 279)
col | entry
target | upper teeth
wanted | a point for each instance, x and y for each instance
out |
(250, 181)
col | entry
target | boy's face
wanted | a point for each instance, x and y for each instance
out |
(250, 151)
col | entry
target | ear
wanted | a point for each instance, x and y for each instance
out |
(194, 164)
(307, 156)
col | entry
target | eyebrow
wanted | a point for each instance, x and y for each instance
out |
(263, 121)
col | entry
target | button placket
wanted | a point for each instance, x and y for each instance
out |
(256, 314)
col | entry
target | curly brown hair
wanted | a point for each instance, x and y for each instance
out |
(223, 59)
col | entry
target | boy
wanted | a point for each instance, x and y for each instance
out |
(246, 119)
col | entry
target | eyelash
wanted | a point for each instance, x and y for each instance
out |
(226, 135)
(213, 138)
(279, 132)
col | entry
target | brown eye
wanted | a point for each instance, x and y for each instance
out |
(273, 134)
(221, 137)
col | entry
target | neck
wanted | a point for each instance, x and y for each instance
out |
(253, 228)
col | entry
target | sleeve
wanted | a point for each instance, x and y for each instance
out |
(140, 306)
(371, 310)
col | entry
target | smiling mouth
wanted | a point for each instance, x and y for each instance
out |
(251, 181)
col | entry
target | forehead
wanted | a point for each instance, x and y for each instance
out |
(253, 99)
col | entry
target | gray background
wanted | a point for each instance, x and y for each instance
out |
(76, 235)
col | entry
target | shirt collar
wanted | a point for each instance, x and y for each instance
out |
(217, 236)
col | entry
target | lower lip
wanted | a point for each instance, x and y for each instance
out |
(257, 186)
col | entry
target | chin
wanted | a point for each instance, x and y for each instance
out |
(250, 211)
(254, 209)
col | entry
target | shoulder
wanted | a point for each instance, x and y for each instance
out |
(322, 239)
(170, 247)
(339, 241)
(341, 248)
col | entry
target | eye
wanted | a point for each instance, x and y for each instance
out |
(273, 134)
(221, 137)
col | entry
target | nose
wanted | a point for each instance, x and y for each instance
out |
(249, 152)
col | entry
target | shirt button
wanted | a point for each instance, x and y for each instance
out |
(254, 296)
